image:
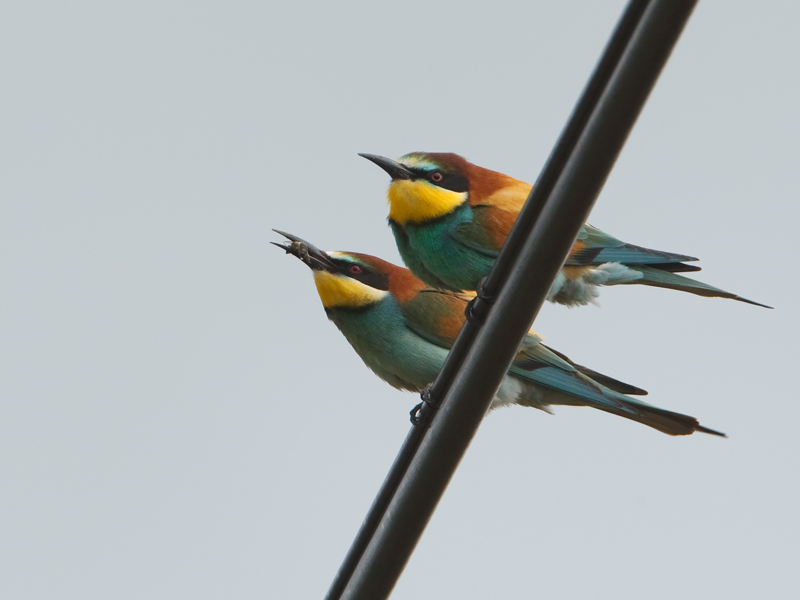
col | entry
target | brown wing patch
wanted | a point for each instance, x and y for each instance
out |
(451, 322)
(497, 224)
(495, 189)
(581, 255)
(403, 285)
(511, 197)
(578, 246)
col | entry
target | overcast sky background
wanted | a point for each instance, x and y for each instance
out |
(178, 419)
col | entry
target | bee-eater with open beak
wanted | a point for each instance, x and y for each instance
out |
(403, 330)
(450, 219)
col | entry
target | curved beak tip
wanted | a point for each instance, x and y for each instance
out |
(285, 247)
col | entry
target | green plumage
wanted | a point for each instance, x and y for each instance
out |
(406, 345)
(403, 331)
(455, 250)
(393, 351)
(447, 253)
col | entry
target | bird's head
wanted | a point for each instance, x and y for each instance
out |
(425, 185)
(350, 280)
(429, 185)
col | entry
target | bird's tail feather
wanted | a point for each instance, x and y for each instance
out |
(660, 278)
(573, 388)
(675, 267)
(611, 383)
(666, 421)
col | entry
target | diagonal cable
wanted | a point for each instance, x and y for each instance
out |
(513, 293)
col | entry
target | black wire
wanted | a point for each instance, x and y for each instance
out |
(376, 558)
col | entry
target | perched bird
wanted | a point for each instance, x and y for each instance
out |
(403, 330)
(450, 219)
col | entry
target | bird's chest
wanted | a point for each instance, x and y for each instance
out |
(439, 251)
(391, 350)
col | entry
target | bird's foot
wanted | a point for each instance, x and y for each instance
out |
(478, 307)
(422, 413)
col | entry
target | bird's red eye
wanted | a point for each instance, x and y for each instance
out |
(436, 176)
(355, 269)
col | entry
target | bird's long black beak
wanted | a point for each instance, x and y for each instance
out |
(392, 167)
(307, 252)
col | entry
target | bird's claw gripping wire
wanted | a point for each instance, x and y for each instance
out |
(422, 413)
(477, 307)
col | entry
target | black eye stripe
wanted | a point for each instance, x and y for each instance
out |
(379, 281)
(450, 181)
(455, 183)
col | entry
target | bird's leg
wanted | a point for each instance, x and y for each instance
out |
(422, 413)
(477, 307)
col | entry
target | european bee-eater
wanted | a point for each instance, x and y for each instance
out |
(450, 219)
(402, 330)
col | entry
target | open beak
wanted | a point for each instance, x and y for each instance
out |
(392, 167)
(307, 252)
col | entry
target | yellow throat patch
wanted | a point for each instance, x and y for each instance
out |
(340, 291)
(419, 201)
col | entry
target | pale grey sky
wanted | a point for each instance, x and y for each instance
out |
(179, 420)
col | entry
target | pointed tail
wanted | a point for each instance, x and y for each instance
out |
(665, 421)
(657, 277)
(573, 388)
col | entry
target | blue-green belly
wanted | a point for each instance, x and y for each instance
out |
(435, 255)
(390, 349)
